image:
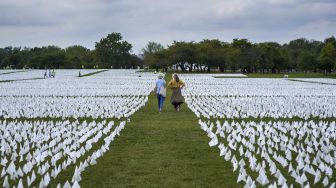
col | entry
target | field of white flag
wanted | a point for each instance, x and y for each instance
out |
(49, 125)
(34, 74)
(274, 132)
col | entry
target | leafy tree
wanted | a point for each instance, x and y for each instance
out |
(161, 60)
(300, 43)
(152, 54)
(270, 57)
(134, 61)
(248, 56)
(331, 40)
(112, 51)
(233, 58)
(328, 57)
(48, 57)
(212, 53)
(10, 57)
(77, 56)
(183, 55)
(306, 61)
(152, 47)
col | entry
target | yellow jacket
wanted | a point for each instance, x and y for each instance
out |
(173, 84)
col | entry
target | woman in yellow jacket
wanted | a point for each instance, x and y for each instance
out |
(176, 85)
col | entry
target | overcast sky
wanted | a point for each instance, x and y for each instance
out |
(64, 22)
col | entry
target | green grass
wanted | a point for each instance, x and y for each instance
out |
(92, 73)
(261, 75)
(165, 149)
(291, 75)
(3, 81)
(314, 82)
(229, 77)
(11, 72)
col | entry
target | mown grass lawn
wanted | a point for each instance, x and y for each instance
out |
(165, 149)
(291, 75)
(92, 73)
(262, 75)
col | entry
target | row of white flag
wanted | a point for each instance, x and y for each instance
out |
(33, 153)
(277, 150)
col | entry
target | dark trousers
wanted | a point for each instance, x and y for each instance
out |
(177, 104)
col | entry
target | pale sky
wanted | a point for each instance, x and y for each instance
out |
(63, 23)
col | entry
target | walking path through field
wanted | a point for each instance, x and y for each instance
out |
(161, 150)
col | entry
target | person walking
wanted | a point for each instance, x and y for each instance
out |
(49, 73)
(160, 91)
(53, 73)
(176, 85)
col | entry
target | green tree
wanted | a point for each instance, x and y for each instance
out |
(248, 54)
(331, 40)
(161, 60)
(134, 61)
(306, 61)
(211, 54)
(328, 57)
(77, 56)
(112, 51)
(233, 58)
(48, 57)
(11, 57)
(152, 47)
(183, 55)
(270, 57)
(152, 54)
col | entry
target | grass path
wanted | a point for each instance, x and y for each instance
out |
(313, 82)
(92, 73)
(292, 75)
(161, 150)
(38, 78)
(11, 72)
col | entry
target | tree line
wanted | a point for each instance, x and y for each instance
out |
(244, 56)
(204, 56)
(110, 52)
